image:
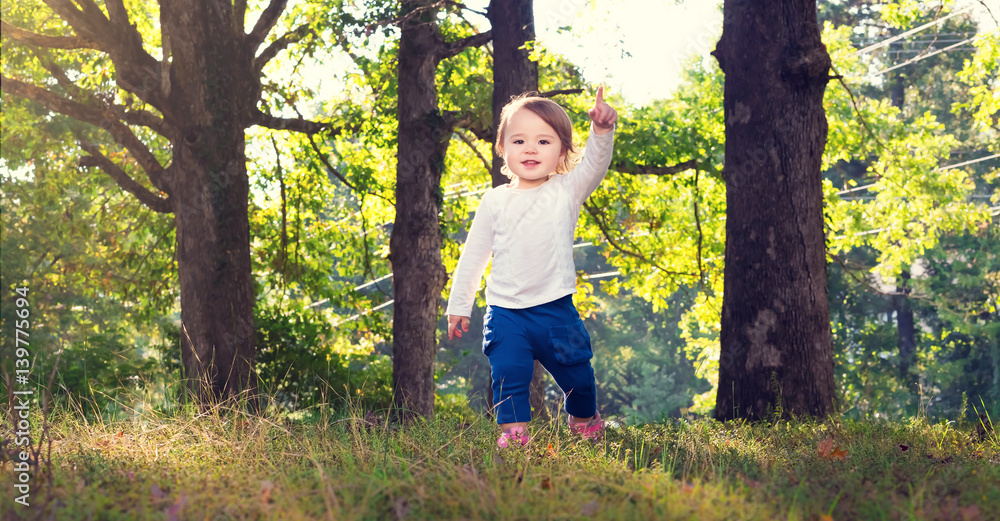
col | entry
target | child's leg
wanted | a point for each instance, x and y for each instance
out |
(511, 366)
(578, 384)
(566, 355)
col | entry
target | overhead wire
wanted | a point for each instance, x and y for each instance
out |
(948, 167)
(898, 37)
(925, 56)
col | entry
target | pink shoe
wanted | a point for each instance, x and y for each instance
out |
(515, 434)
(592, 430)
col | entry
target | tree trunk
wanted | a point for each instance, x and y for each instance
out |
(210, 104)
(776, 352)
(415, 243)
(905, 331)
(513, 24)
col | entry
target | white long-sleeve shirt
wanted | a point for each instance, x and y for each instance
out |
(530, 234)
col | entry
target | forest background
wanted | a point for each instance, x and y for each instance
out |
(910, 178)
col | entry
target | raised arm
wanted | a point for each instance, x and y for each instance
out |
(602, 115)
(597, 154)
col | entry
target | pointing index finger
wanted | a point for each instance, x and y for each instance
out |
(600, 96)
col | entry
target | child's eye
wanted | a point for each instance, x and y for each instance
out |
(518, 141)
(544, 142)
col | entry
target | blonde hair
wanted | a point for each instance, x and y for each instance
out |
(552, 114)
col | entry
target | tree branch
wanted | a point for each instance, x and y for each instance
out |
(338, 175)
(551, 93)
(41, 40)
(101, 117)
(468, 122)
(295, 125)
(486, 163)
(147, 119)
(268, 19)
(279, 45)
(82, 22)
(146, 197)
(117, 13)
(614, 243)
(239, 18)
(863, 281)
(449, 49)
(633, 169)
(136, 69)
(79, 94)
(74, 90)
(460, 5)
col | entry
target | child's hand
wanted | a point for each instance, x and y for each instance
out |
(454, 322)
(603, 116)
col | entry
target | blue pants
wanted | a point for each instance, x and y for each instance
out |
(553, 334)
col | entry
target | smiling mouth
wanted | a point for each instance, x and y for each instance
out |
(529, 162)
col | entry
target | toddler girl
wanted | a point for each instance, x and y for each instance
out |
(528, 226)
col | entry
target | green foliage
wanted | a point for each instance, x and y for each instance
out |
(299, 367)
(981, 77)
(639, 360)
(103, 373)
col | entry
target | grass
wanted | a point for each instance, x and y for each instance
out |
(223, 464)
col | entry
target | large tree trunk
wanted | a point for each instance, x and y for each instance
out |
(513, 24)
(776, 349)
(905, 330)
(210, 103)
(415, 243)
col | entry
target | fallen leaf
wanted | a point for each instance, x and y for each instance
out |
(552, 451)
(826, 517)
(824, 448)
(904, 447)
(120, 433)
(838, 453)
(828, 450)
(546, 483)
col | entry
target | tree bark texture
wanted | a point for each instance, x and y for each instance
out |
(415, 242)
(513, 24)
(213, 93)
(776, 353)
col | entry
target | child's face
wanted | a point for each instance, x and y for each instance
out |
(531, 148)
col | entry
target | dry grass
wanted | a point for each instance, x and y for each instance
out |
(225, 464)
